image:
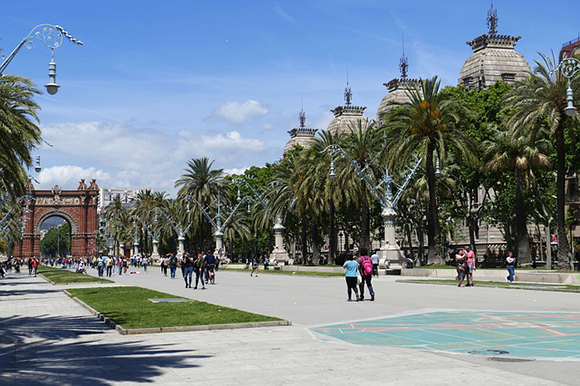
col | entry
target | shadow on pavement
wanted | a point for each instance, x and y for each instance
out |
(52, 350)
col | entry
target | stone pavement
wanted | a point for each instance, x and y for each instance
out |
(46, 338)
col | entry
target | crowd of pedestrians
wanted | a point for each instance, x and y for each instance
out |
(359, 273)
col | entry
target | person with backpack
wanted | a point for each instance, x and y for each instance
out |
(351, 267)
(366, 270)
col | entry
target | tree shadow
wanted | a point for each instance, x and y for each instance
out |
(48, 349)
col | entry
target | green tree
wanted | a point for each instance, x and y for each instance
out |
(542, 99)
(19, 131)
(56, 241)
(520, 156)
(429, 123)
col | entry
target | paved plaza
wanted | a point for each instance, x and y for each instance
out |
(47, 338)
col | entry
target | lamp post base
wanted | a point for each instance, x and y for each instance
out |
(391, 258)
(279, 257)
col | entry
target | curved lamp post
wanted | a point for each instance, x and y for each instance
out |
(52, 37)
(569, 68)
(390, 253)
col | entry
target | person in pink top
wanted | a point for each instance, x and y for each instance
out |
(470, 255)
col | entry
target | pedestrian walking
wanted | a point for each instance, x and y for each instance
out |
(145, 262)
(511, 267)
(109, 266)
(375, 260)
(209, 266)
(461, 266)
(35, 263)
(172, 265)
(198, 268)
(470, 260)
(351, 277)
(255, 266)
(366, 270)
(187, 266)
(164, 262)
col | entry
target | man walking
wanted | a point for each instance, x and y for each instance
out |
(470, 258)
(375, 261)
(173, 265)
(188, 269)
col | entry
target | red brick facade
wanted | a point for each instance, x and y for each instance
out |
(78, 207)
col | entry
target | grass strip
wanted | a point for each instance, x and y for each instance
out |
(130, 307)
(541, 270)
(280, 272)
(530, 286)
(63, 276)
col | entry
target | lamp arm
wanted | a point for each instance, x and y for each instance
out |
(334, 149)
(221, 229)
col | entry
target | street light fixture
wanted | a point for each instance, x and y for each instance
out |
(51, 36)
(569, 68)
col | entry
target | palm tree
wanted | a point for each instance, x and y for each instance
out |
(362, 145)
(201, 182)
(19, 131)
(332, 189)
(542, 98)
(520, 156)
(427, 124)
(118, 222)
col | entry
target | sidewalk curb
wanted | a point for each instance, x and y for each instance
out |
(514, 286)
(208, 327)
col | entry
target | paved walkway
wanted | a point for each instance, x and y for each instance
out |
(46, 338)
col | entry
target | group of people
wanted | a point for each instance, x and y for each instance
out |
(465, 264)
(203, 265)
(359, 272)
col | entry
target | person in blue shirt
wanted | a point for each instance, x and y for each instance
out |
(351, 279)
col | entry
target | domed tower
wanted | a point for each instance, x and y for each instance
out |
(346, 117)
(494, 59)
(301, 136)
(398, 90)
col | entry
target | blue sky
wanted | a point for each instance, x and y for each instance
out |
(158, 83)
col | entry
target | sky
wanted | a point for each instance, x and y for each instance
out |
(159, 83)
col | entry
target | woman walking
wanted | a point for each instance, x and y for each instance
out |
(198, 268)
(511, 266)
(461, 265)
(351, 277)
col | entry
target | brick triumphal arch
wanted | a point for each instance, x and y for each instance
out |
(77, 207)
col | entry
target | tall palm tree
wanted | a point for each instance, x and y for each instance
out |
(19, 131)
(333, 189)
(202, 183)
(118, 222)
(542, 97)
(520, 156)
(427, 124)
(362, 145)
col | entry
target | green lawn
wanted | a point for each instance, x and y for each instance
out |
(130, 307)
(545, 287)
(62, 276)
(279, 272)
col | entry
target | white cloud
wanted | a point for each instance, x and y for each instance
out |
(68, 175)
(238, 171)
(127, 157)
(239, 113)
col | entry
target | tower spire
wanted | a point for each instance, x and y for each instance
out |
(347, 92)
(302, 117)
(404, 62)
(492, 20)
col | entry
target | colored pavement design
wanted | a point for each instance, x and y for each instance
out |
(524, 334)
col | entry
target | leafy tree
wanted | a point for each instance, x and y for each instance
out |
(542, 98)
(429, 123)
(56, 241)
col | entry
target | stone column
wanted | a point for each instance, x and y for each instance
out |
(181, 247)
(111, 249)
(279, 255)
(135, 250)
(122, 249)
(155, 255)
(219, 244)
(390, 254)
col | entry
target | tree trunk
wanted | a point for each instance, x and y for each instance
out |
(563, 256)
(523, 239)
(434, 254)
(304, 238)
(365, 218)
(315, 245)
(332, 234)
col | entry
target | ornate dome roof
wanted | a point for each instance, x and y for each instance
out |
(301, 136)
(494, 59)
(346, 117)
(398, 94)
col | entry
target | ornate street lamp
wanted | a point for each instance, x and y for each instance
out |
(51, 36)
(569, 68)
